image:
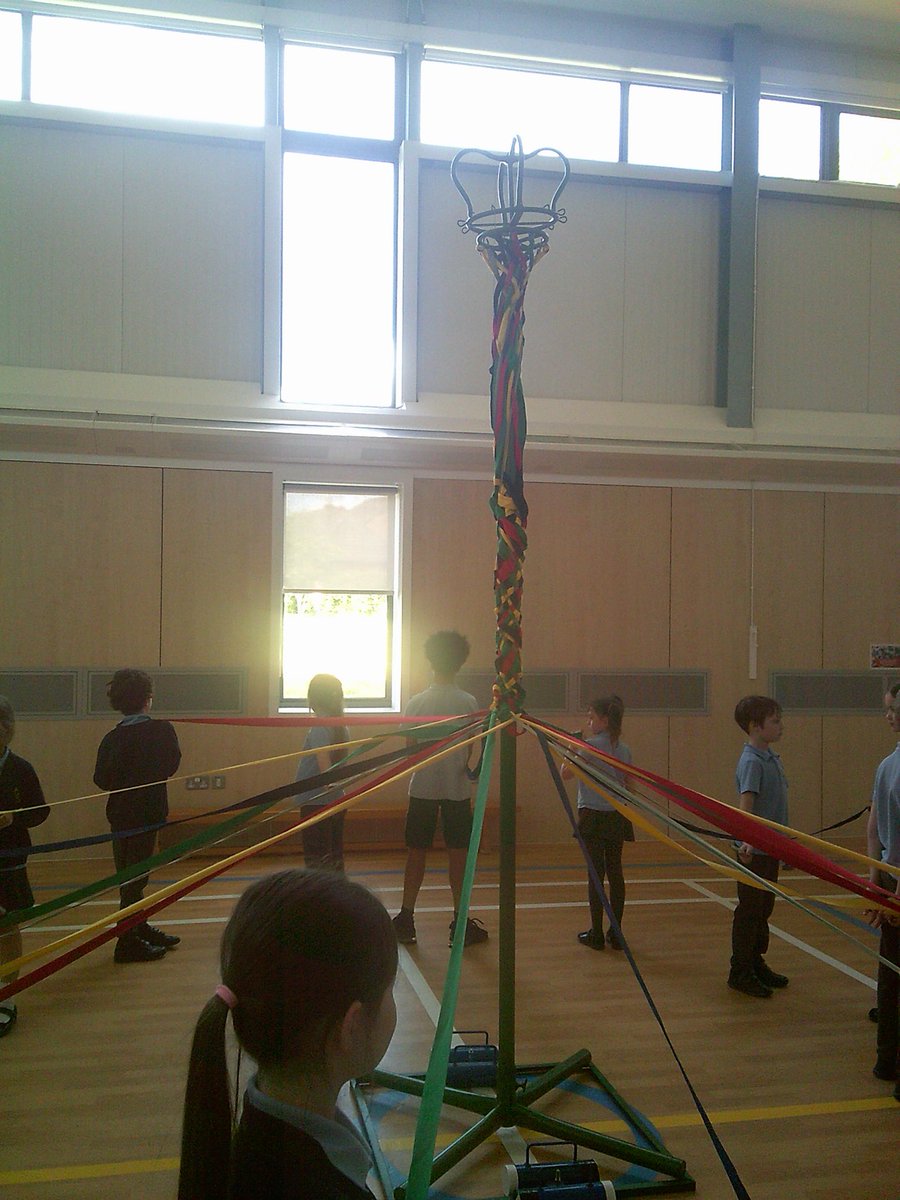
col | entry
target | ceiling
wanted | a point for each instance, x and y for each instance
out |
(873, 23)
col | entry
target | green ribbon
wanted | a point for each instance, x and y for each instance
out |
(436, 1076)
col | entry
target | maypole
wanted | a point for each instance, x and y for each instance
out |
(511, 237)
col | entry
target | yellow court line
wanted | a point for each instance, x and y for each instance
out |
(139, 1166)
(725, 1116)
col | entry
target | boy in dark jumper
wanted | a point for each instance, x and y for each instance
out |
(138, 751)
(22, 806)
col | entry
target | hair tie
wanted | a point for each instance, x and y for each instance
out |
(227, 995)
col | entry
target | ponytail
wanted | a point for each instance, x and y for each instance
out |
(206, 1132)
(613, 708)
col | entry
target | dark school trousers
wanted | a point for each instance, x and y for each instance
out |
(604, 835)
(888, 1036)
(126, 852)
(323, 843)
(750, 926)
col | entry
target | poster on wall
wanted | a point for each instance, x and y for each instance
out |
(884, 657)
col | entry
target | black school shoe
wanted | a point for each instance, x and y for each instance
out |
(158, 937)
(885, 1069)
(767, 976)
(749, 984)
(594, 943)
(131, 948)
(474, 935)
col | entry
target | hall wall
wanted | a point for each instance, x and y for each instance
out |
(172, 567)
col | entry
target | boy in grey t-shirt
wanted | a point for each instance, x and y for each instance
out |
(439, 787)
(762, 790)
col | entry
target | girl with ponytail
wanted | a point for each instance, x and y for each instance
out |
(604, 829)
(308, 960)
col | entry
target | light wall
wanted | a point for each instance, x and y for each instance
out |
(172, 567)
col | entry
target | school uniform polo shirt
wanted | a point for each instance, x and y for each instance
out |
(761, 772)
(886, 802)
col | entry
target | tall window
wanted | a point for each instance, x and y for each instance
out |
(340, 571)
(674, 127)
(472, 105)
(10, 56)
(790, 139)
(132, 69)
(338, 234)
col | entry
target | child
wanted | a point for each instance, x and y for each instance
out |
(602, 827)
(139, 750)
(440, 786)
(323, 844)
(883, 836)
(20, 789)
(308, 961)
(763, 790)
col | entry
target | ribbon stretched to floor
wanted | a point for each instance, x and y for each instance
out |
(436, 1073)
(630, 805)
(777, 840)
(165, 896)
(730, 1169)
(627, 804)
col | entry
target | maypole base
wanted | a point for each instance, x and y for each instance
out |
(533, 1082)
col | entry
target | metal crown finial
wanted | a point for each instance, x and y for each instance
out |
(511, 217)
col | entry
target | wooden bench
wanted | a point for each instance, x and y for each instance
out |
(365, 828)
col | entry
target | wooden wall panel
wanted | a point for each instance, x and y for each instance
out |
(597, 576)
(862, 577)
(454, 549)
(852, 747)
(80, 571)
(710, 622)
(216, 574)
(788, 593)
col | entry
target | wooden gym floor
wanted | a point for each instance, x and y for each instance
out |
(92, 1075)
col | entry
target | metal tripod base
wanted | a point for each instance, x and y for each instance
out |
(494, 1115)
(511, 1106)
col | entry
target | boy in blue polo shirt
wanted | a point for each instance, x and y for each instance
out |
(762, 790)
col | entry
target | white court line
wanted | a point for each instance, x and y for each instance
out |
(791, 940)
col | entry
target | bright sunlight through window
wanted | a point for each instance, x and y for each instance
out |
(789, 139)
(147, 72)
(10, 56)
(466, 105)
(674, 127)
(339, 92)
(869, 149)
(337, 332)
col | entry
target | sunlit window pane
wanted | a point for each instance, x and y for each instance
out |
(342, 634)
(343, 92)
(789, 139)
(486, 107)
(10, 56)
(338, 281)
(869, 149)
(147, 72)
(674, 127)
